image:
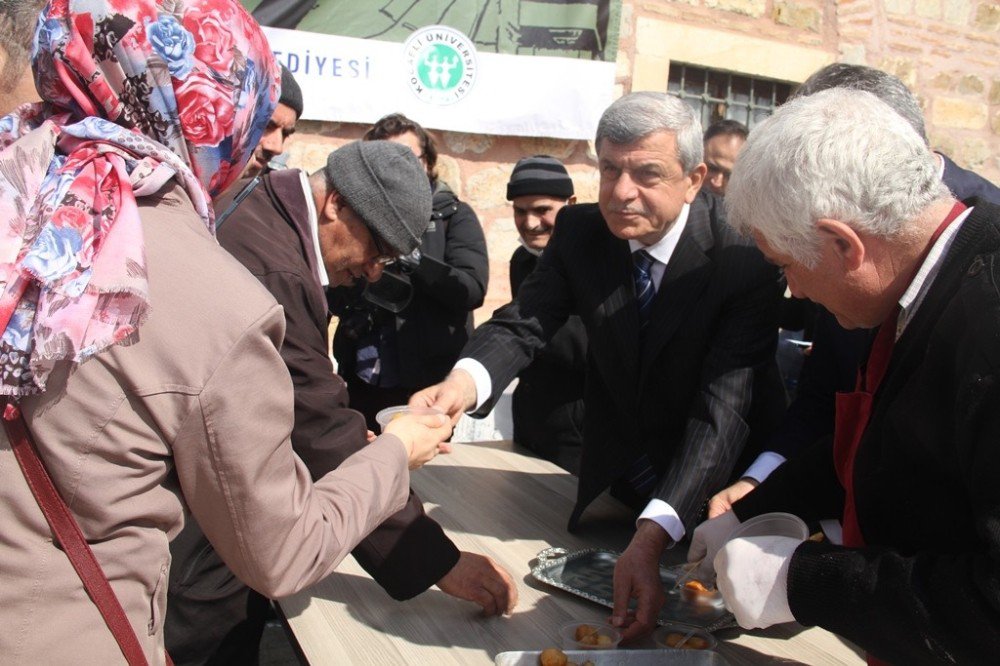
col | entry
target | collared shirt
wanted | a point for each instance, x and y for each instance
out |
(321, 273)
(657, 510)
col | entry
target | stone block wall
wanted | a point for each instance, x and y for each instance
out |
(945, 50)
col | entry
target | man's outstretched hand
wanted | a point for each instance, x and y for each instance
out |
(479, 579)
(637, 576)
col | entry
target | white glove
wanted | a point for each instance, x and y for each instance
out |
(753, 579)
(706, 541)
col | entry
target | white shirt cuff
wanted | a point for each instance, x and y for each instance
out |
(481, 377)
(766, 463)
(663, 515)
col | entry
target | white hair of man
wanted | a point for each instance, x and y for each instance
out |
(837, 154)
(637, 115)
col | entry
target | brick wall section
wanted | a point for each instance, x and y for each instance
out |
(945, 50)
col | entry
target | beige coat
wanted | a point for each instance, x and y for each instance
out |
(196, 415)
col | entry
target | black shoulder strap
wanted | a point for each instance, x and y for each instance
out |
(237, 200)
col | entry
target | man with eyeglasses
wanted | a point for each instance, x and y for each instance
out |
(296, 234)
(404, 332)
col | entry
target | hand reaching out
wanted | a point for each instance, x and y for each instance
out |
(637, 576)
(478, 578)
(423, 435)
(454, 396)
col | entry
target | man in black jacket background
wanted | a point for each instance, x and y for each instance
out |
(547, 405)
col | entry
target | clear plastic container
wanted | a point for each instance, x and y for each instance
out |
(672, 637)
(589, 636)
(389, 413)
(772, 524)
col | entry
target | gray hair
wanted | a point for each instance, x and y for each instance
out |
(639, 114)
(838, 154)
(888, 88)
(17, 31)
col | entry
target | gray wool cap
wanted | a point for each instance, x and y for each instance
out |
(387, 186)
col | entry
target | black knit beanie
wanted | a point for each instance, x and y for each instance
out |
(540, 174)
(291, 93)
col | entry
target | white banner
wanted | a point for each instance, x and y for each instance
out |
(438, 79)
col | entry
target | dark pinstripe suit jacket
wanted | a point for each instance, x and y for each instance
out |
(690, 396)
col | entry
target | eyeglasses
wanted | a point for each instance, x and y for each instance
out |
(385, 256)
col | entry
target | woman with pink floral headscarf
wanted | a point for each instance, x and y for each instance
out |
(142, 357)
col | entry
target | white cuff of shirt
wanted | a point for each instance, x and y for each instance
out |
(663, 515)
(766, 463)
(481, 377)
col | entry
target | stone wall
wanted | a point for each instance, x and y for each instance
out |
(946, 51)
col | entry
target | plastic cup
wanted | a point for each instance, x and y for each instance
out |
(772, 524)
(389, 413)
(669, 636)
(593, 636)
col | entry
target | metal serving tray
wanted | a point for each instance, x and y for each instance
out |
(620, 657)
(589, 574)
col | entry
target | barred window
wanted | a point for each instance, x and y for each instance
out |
(718, 95)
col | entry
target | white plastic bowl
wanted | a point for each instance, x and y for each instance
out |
(772, 524)
(389, 413)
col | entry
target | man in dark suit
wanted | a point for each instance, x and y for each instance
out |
(681, 316)
(833, 362)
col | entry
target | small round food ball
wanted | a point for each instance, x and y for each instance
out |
(585, 631)
(552, 657)
(696, 643)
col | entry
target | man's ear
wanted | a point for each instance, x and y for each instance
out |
(332, 204)
(844, 240)
(571, 200)
(696, 177)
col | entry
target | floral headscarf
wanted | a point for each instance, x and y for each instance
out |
(135, 92)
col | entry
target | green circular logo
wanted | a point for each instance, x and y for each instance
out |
(441, 64)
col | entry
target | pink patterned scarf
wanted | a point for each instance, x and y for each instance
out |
(135, 93)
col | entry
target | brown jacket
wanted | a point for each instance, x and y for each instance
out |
(196, 415)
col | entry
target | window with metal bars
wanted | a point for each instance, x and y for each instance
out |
(717, 95)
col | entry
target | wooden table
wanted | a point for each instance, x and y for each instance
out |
(492, 499)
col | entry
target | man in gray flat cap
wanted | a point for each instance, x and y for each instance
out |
(297, 234)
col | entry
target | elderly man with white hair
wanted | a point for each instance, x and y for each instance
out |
(843, 195)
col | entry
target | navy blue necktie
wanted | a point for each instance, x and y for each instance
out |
(642, 264)
(640, 475)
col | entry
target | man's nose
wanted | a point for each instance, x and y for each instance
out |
(373, 271)
(625, 189)
(271, 141)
